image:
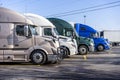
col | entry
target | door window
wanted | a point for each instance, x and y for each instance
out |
(20, 30)
(48, 31)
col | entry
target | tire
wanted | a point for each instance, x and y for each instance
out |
(38, 57)
(100, 48)
(65, 52)
(83, 50)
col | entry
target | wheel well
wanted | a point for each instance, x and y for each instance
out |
(83, 45)
(102, 45)
(37, 50)
(67, 49)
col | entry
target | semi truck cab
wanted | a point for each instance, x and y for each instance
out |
(19, 41)
(101, 44)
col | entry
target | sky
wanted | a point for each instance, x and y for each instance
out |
(100, 18)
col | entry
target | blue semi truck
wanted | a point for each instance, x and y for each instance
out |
(101, 44)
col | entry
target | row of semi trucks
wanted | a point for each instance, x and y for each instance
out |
(33, 38)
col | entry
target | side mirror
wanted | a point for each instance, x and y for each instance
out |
(53, 35)
(73, 35)
(26, 31)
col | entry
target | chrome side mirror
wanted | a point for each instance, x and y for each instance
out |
(26, 31)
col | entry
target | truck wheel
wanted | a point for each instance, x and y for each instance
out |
(38, 57)
(83, 50)
(65, 52)
(100, 48)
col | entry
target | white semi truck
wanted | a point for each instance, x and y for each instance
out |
(19, 41)
(113, 36)
(47, 29)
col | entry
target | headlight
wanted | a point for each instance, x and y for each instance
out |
(58, 50)
(91, 44)
(91, 40)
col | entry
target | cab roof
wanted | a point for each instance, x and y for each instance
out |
(10, 16)
(60, 23)
(86, 27)
(39, 20)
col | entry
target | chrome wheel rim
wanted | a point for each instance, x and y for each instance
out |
(37, 57)
(82, 50)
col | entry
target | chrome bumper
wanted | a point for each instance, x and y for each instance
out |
(56, 56)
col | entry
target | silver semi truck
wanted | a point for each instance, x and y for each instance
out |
(20, 42)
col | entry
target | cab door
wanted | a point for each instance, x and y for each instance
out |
(22, 42)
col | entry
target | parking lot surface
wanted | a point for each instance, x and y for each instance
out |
(94, 66)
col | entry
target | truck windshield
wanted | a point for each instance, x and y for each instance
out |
(55, 31)
(75, 33)
(33, 30)
(70, 33)
(95, 35)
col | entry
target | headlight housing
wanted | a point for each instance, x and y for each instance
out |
(91, 44)
(58, 50)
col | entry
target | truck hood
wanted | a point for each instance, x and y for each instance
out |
(100, 39)
(64, 38)
(85, 38)
(43, 41)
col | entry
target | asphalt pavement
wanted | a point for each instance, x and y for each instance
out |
(94, 66)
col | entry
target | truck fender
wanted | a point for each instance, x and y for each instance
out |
(30, 50)
(66, 48)
(84, 45)
(98, 45)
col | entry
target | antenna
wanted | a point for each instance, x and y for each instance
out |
(84, 19)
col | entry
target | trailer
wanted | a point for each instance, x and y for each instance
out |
(113, 36)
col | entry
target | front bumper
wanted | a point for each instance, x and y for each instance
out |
(55, 57)
(91, 49)
(107, 47)
(72, 51)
